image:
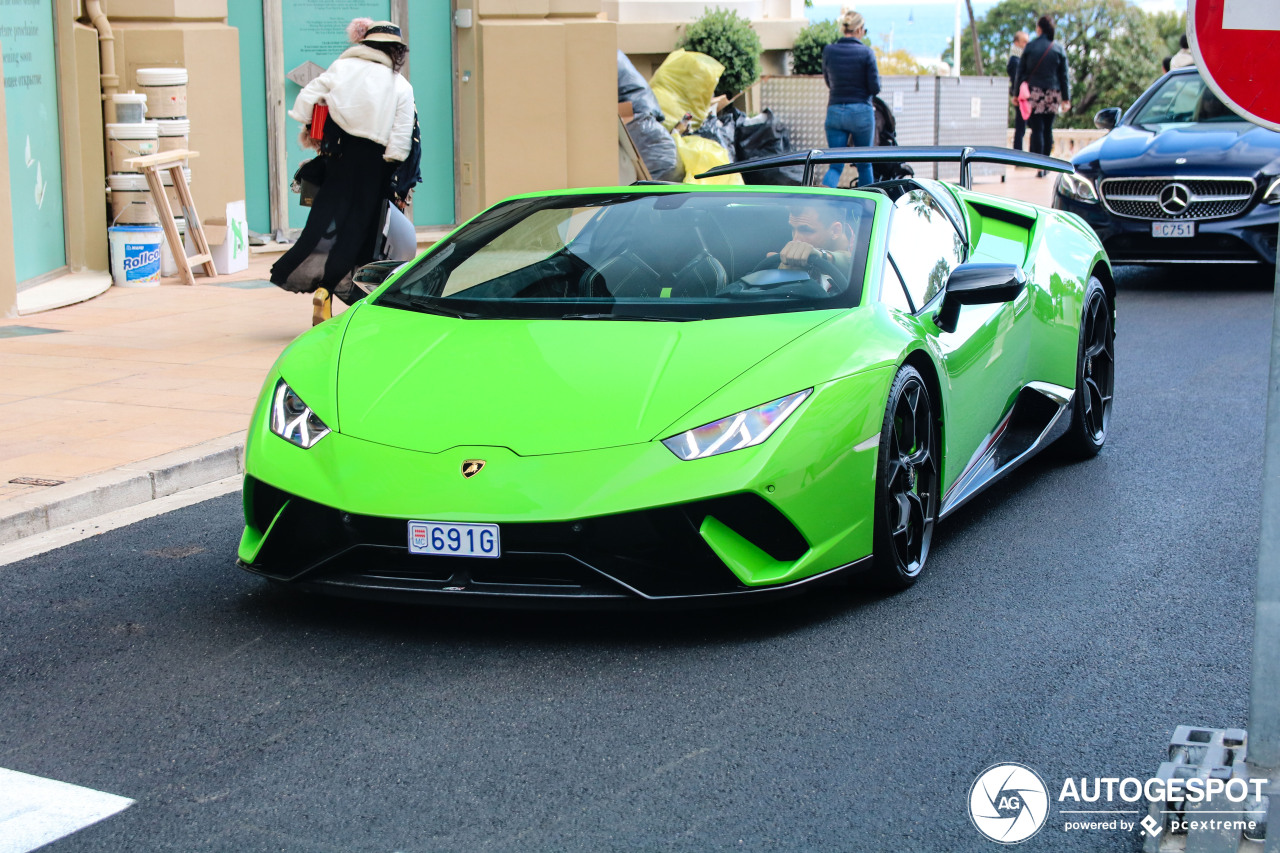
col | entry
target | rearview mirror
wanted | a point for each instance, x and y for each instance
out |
(1107, 119)
(369, 276)
(978, 284)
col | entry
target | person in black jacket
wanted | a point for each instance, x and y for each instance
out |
(849, 67)
(1020, 40)
(1043, 68)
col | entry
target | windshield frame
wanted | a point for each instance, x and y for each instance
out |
(465, 241)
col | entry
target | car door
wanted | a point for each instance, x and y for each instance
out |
(984, 359)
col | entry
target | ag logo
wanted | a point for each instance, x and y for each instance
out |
(471, 467)
(1008, 803)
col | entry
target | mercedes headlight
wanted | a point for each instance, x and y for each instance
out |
(745, 429)
(1077, 186)
(1272, 195)
(293, 420)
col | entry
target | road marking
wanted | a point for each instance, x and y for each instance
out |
(50, 540)
(36, 811)
(1250, 15)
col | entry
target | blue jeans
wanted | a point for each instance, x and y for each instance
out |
(850, 125)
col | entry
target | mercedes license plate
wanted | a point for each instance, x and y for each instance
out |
(454, 540)
(1173, 229)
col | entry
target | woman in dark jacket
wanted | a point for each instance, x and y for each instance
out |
(849, 67)
(1043, 68)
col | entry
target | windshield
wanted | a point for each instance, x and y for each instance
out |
(679, 255)
(1183, 99)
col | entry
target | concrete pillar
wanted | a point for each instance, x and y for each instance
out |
(8, 271)
(537, 104)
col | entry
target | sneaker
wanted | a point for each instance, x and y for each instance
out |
(321, 306)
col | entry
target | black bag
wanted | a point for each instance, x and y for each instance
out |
(764, 136)
(408, 172)
(308, 179)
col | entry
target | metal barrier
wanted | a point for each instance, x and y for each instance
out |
(928, 111)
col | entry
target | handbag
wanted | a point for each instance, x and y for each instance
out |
(307, 180)
(319, 115)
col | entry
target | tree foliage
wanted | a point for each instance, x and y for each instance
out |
(1113, 48)
(806, 54)
(728, 38)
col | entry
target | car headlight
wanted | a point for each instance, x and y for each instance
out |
(1077, 186)
(745, 429)
(1272, 195)
(293, 420)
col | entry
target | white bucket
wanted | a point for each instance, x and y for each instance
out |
(131, 202)
(129, 140)
(169, 266)
(130, 107)
(174, 133)
(166, 90)
(135, 254)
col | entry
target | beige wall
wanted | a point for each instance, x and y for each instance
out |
(8, 271)
(210, 51)
(537, 99)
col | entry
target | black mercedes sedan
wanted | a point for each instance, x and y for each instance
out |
(1179, 179)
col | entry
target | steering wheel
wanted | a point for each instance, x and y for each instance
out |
(817, 264)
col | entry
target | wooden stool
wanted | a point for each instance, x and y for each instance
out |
(171, 161)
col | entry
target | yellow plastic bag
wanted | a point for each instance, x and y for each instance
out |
(686, 83)
(698, 154)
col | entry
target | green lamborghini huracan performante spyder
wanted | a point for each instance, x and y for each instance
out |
(681, 393)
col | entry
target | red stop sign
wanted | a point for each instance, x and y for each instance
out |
(1236, 44)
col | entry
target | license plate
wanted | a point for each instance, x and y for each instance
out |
(454, 540)
(1173, 229)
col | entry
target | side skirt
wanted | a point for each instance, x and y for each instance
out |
(1040, 414)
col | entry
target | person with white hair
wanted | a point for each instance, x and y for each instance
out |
(853, 78)
(368, 132)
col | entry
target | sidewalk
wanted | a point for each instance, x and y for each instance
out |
(140, 392)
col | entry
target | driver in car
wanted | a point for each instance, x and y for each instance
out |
(818, 233)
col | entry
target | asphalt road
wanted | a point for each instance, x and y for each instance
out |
(1069, 619)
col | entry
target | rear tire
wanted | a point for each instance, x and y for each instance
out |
(1095, 376)
(907, 483)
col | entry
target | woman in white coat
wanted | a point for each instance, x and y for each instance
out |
(367, 134)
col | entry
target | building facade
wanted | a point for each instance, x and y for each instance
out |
(512, 96)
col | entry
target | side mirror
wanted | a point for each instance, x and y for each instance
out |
(369, 276)
(978, 284)
(1107, 119)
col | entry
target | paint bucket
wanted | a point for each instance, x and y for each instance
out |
(130, 107)
(135, 254)
(169, 266)
(129, 140)
(166, 90)
(131, 202)
(174, 133)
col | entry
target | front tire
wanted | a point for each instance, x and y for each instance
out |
(907, 482)
(1095, 376)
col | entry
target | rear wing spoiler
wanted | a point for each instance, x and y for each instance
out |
(962, 154)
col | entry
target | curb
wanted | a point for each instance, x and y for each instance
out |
(120, 488)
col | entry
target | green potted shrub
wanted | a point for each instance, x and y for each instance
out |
(806, 54)
(728, 38)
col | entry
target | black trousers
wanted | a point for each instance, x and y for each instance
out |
(1019, 128)
(1041, 132)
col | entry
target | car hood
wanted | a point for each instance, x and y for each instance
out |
(1226, 148)
(428, 383)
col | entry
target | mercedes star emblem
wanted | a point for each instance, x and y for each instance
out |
(1175, 199)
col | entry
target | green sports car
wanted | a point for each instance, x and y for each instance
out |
(681, 393)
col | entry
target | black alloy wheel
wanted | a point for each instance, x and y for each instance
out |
(907, 482)
(1095, 375)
